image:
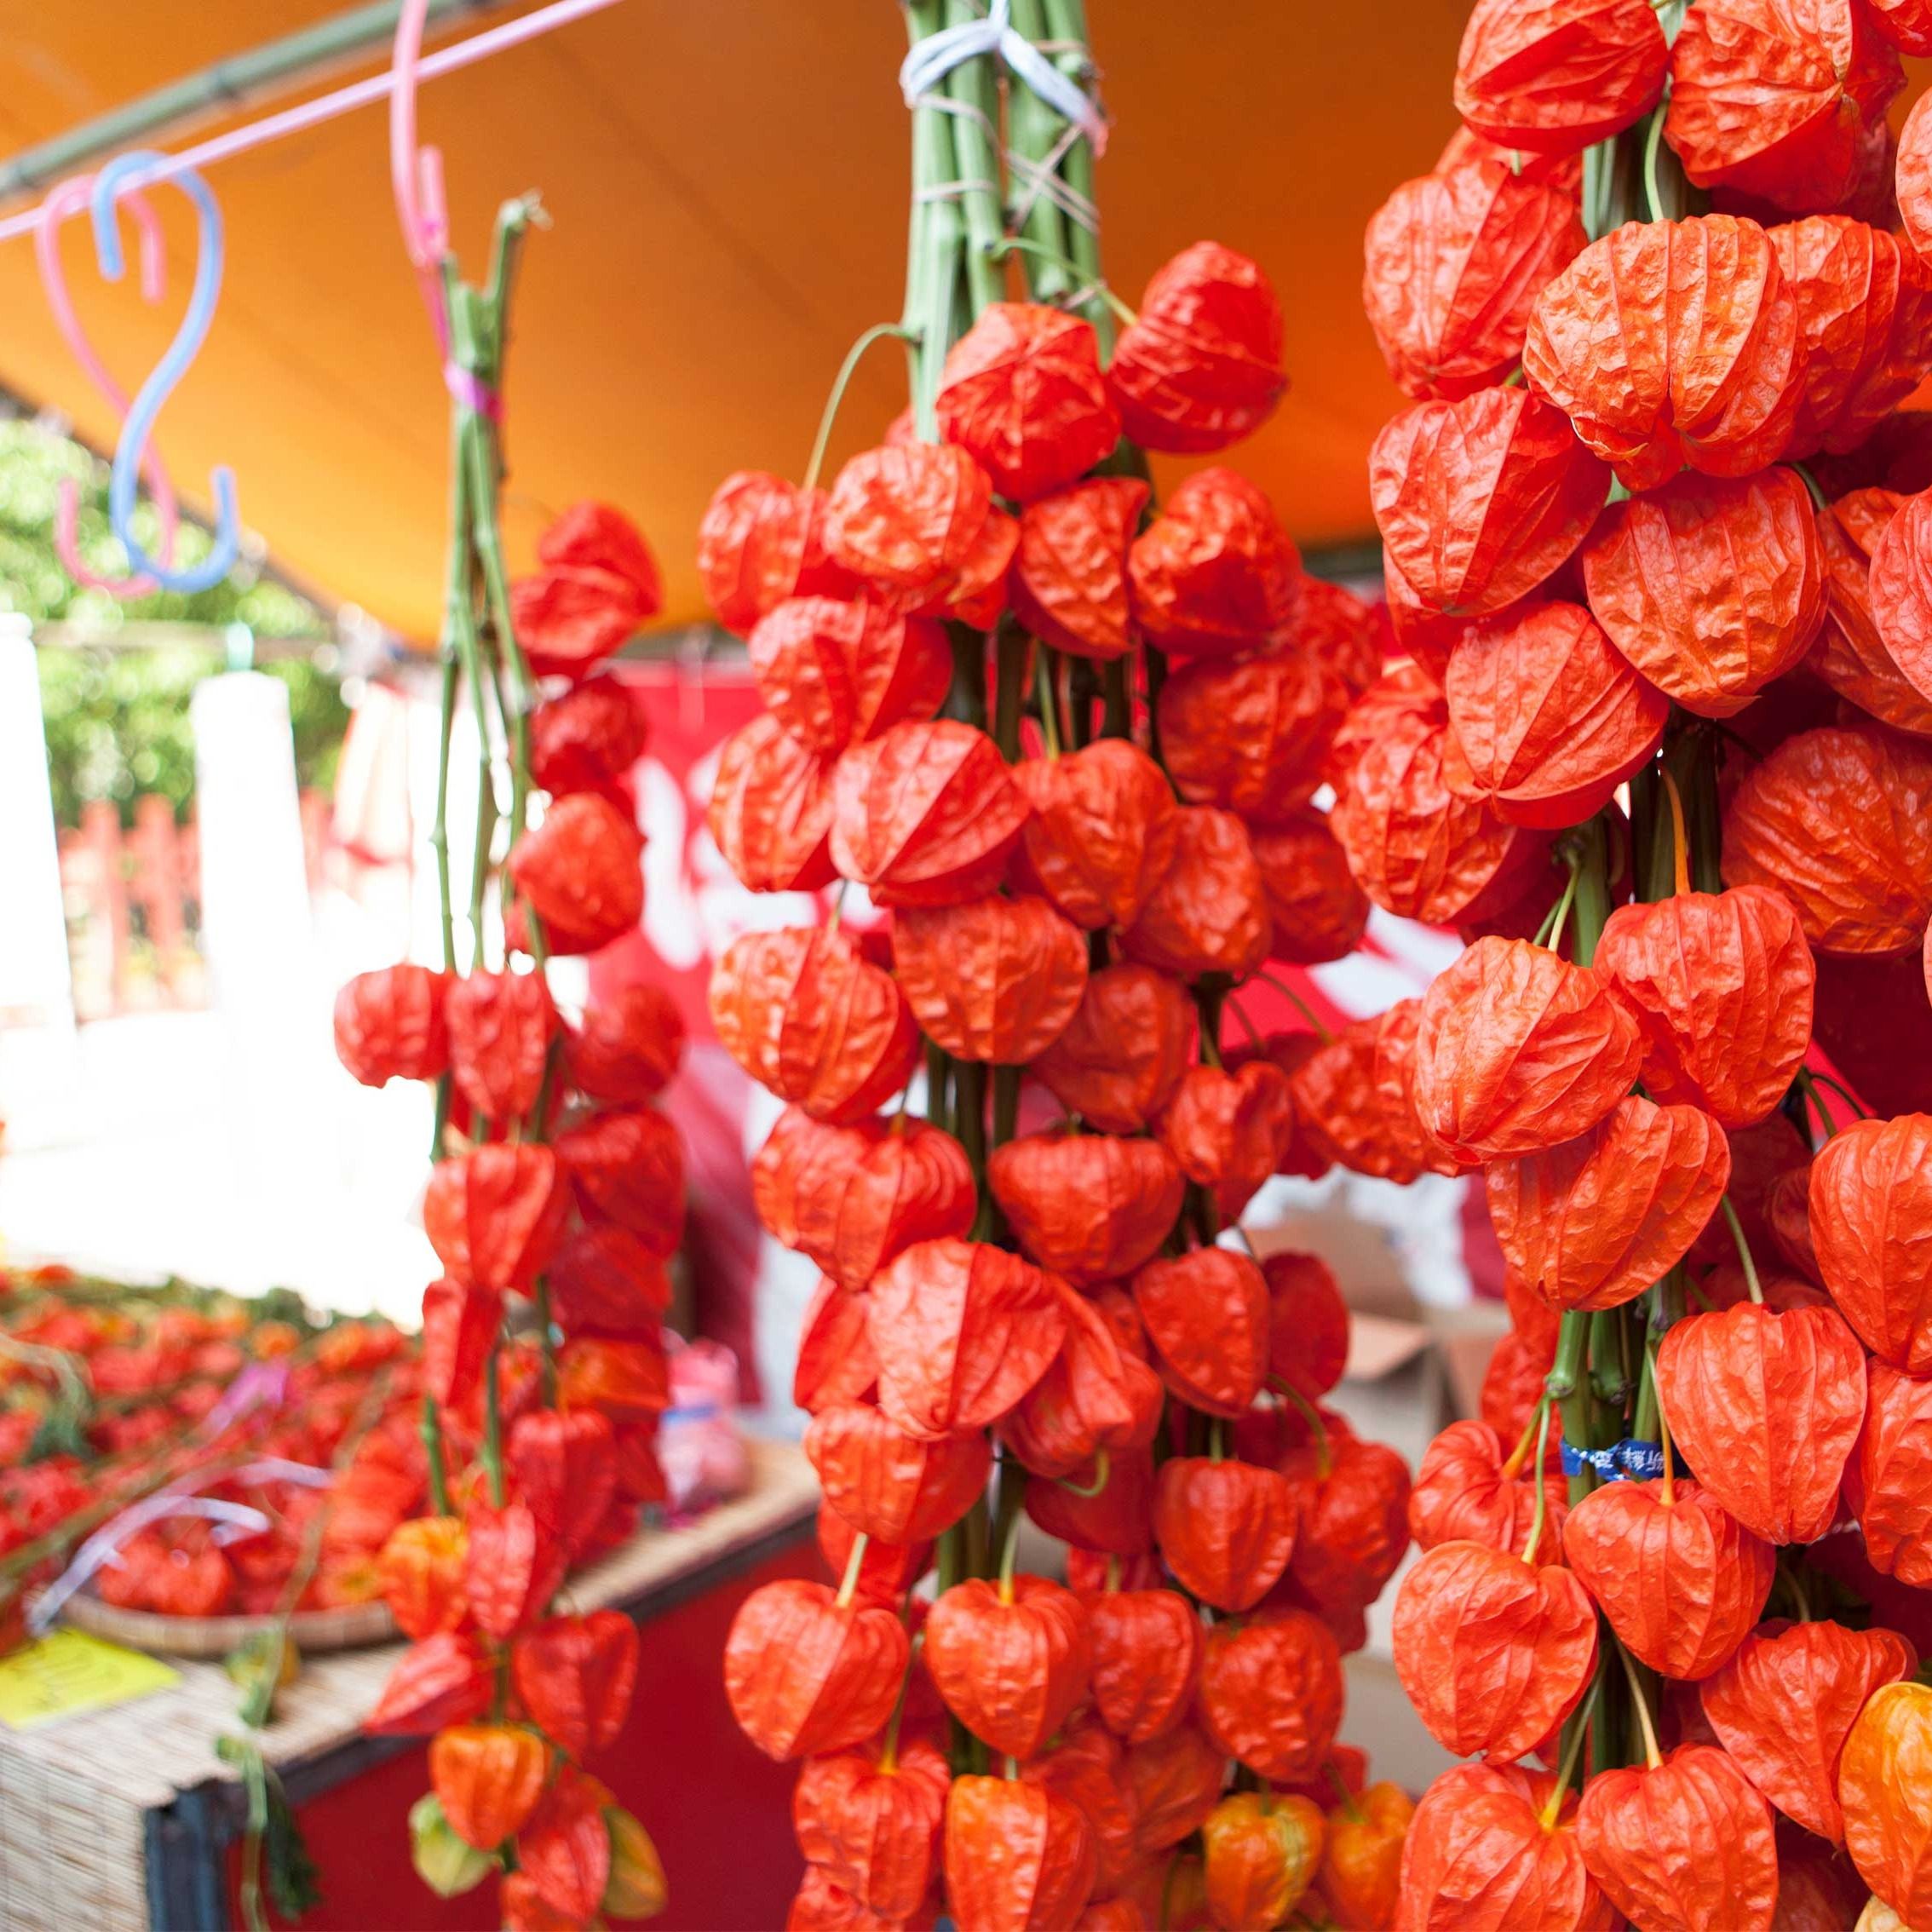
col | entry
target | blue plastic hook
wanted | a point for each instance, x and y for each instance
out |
(180, 358)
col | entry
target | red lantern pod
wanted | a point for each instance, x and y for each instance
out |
(1317, 911)
(1249, 734)
(389, 1025)
(1086, 1766)
(1016, 1854)
(499, 1027)
(885, 1570)
(1669, 342)
(1147, 1648)
(1199, 367)
(1914, 179)
(1123, 1051)
(1454, 262)
(806, 1674)
(771, 809)
(834, 671)
(512, 1567)
(1354, 1098)
(568, 618)
(889, 1484)
(1680, 1580)
(1494, 1654)
(926, 815)
(1907, 23)
(1837, 821)
(1900, 588)
(460, 1326)
(1271, 1692)
(1209, 913)
(1546, 719)
(962, 1331)
(627, 1378)
(1557, 75)
(1215, 573)
(1021, 392)
(1517, 1051)
(1175, 1779)
(445, 1679)
(1592, 1222)
(975, 594)
(1849, 655)
(996, 980)
(1229, 1132)
(588, 739)
(1870, 1185)
(806, 1014)
(564, 1466)
(1461, 1494)
(488, 1779)
(1710, 587)
(1337, 628)
(761, 540)
(494, 1215)
(604, 1279)
(1226, 1528)
(1105, 1509)
(1478, 1852)
(575, 1676)
(1766, 1408)
(1773, 100)
(1480, 500)
(1091, 1207)
(626, 1165)
(1886, 1480)
(578, 870)
(1465, 145)
(1010, 1661)
(1308, 1323)
(1207, 1317)
(1722, 986)
(1097, 1394)
(1353, 1500)
(1102, 832)
(871, 1825)
(1881, 1783)
(905, 517)
(1686, 1842)
(1069, 577)
(563, 1855)
(627, 1046)
(836, 1362)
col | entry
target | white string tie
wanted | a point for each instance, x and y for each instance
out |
(931, 59)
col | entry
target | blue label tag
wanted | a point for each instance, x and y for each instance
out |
(1627, 1461)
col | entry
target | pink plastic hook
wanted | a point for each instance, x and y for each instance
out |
(68, 198)
(417, 173)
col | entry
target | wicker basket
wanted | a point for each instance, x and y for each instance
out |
(312, 1632)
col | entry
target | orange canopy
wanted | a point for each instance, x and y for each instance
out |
(728, 185)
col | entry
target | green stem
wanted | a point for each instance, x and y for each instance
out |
(854, 1563)
(431, 1430)
(1006, 1532)
(1537, 1515)
(493, 1449)
(975, 86)
(1044, 697)
(854, 356)
(1743, 1246)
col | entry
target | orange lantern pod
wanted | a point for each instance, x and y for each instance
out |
(1175, 1778)
(962, 1331)
(1592, 1222)
(925, 814)
(1084, 1765)
(807, 1674)
(1362, 1858)
(1498, 1847)
(1228, 1132)
(1271, 1692)
(494, 1214)
(488, 1779)
(1207, 1317)
(605, 1277)
(498, 1028)
(1837, 820)
(626, 1165)
(1335, 627)
(1669, 342)
(420, 1571)
(1517, 1051)
(1900, 588)
(905, 517)
(578, 870)
(1494, 1654)
(1885, 1786)
(574, 1677)
(1555, 76)
(1680, 1580)
(1146, 1646)
(588, 739)
(563, 1463)
(1199, 367)
(889, 1484)
(1209, 912)
(460, 1326)
(1123, 1051)
(1869, 1186)
(771, 809)
(627, 1046)
(1070, 575)
(1913, 177)
(851, 1197)
(995, 979)
(1686, 1842)
(445, 1679)
(805, 1014)
(1722, 986)
(1225, 1528)
(389, 1025)
(565, 1851)
(1009, 1660)
(871, 1823)
(1825, 1672)
(1250, 733)
(1766, 1408)
(759, 541)
(1095, 1396)
(1103, 1506)
(1546, 719)
(1907, 23)
(1022, 393)
(1773, 100)
(1454, 261)
(1308, 1323)
(1479, 500)
(513, 1566)
(1849, 655)
(1886, 1480)
(1712, 586)
(1215, 573)
(1016, 1854)
(1354, 1521)
(1466, 1490)
(885, 1570)
(1465, 145)
(975, 595)
(1102, 832)
(1091, 1207)
(833, 670)
(1354, 1098)
(1261, 1853)
(1317, 911)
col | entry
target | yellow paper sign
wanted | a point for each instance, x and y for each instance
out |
(70, 1670)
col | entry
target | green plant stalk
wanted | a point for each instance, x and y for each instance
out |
(1033, 128)
(1067, 21)
(975, 86)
